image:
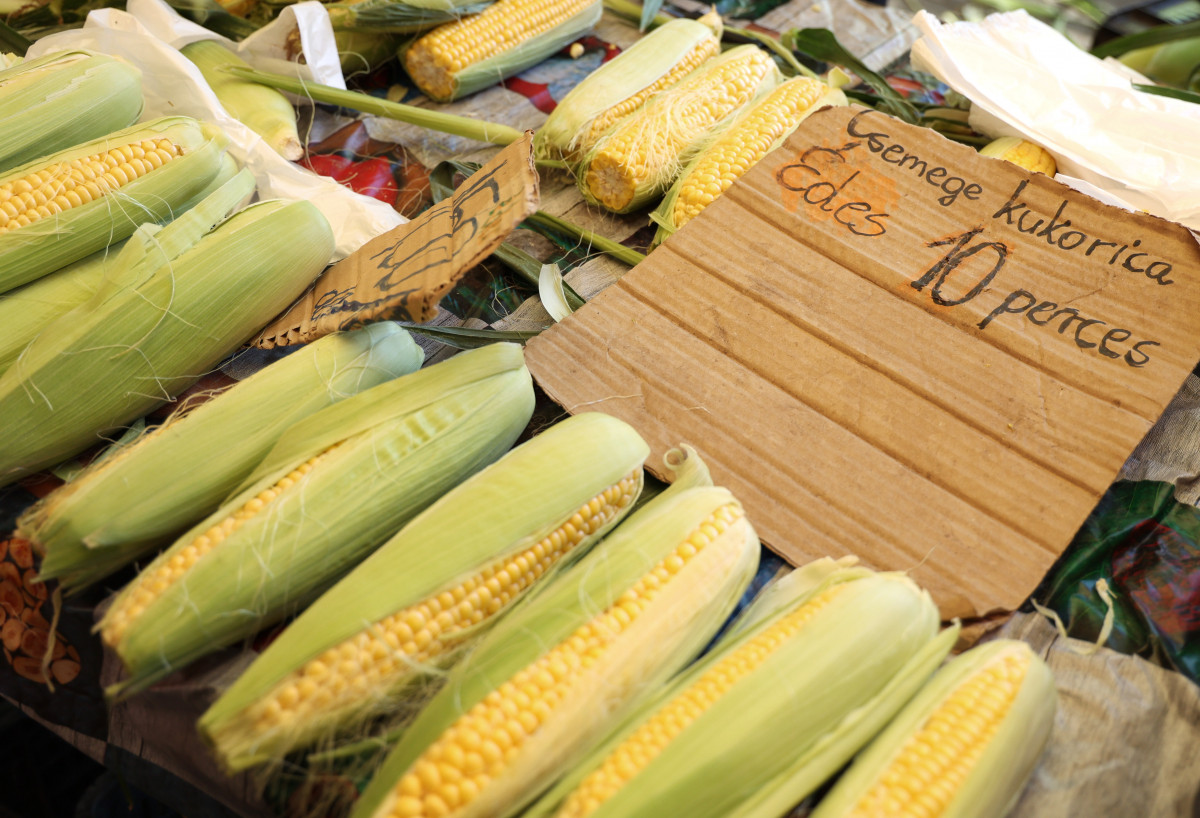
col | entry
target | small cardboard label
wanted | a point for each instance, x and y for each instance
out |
(887, 345)
(404, 273)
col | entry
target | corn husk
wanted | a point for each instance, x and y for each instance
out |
(61, 99)
(390, 16)
(168, 479)
(180, 298)
(27, 310)
(333, 489)
(571, 128)
(492, 518)
(992, 783)
(46, 245)
(670, 629)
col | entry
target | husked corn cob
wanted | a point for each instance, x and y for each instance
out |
(64, 98)
(64, 207)
(167, 480)
(176, 301)
(561, 670)
(816, 668)
(963, 747)
(509, 36)
(263, 110)
(758, 130)
(1022, 152)
(389, 16)
(622, 85)
(640, 157)
(27, 310)
(448, 576)
(334, 488)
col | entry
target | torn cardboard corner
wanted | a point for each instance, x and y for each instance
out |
(404, 273)
(889, 346)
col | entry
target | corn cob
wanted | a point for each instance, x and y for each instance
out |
(27, 310)
(457, 566)
(64, 98)
(563, 669)
(622, 85)
(853, 647)
(1021, 152)
(64, 207)
(177, 300)
(754, 133)
(640, 157)
(376, 16)
(336, 486)
(112, 514)
(263, 110)
(963, 747)
(482, 49)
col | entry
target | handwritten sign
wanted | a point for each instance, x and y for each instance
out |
(404, 273)
(889, 346)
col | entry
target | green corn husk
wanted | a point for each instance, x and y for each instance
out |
(996, 768)
(644, 68)
(517, 666)
(263, 110)
(178, 299)
(361, 52)
(493, 518)
(27, 310)
(636, 161)
(334, 488)
(427, 66)
(814, 668)
(29, 252)
(64, 98)
(167, 480)
(392, 17)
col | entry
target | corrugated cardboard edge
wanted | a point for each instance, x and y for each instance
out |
(357, 289)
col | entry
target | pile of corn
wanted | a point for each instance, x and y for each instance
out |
(564, 653)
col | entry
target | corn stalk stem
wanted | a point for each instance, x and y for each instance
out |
(543, 221)
(422, 117)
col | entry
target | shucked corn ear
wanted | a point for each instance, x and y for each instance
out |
(639, 158)
(755, 132)
(263, 110)
(963, 748)
(27, 310)
(448, 575)
(177, 300)
(64, 98)
(1022, 152)
(167, 480)
(622, 85)
(561, 670)
(334, 488)
(396, 17)
(482, 49)
(817, 668)
(61, 208)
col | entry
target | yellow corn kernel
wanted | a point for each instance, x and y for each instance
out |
(385, 650)
(149, 585)
(702, 52)
(744, 144)
(644, 152)
(1024, 153)
(36, 196)
(935, 761)
(478, 748)
(436, 58)
(652, 737)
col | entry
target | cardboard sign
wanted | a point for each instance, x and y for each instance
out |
(404, 273)
(889, 346)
